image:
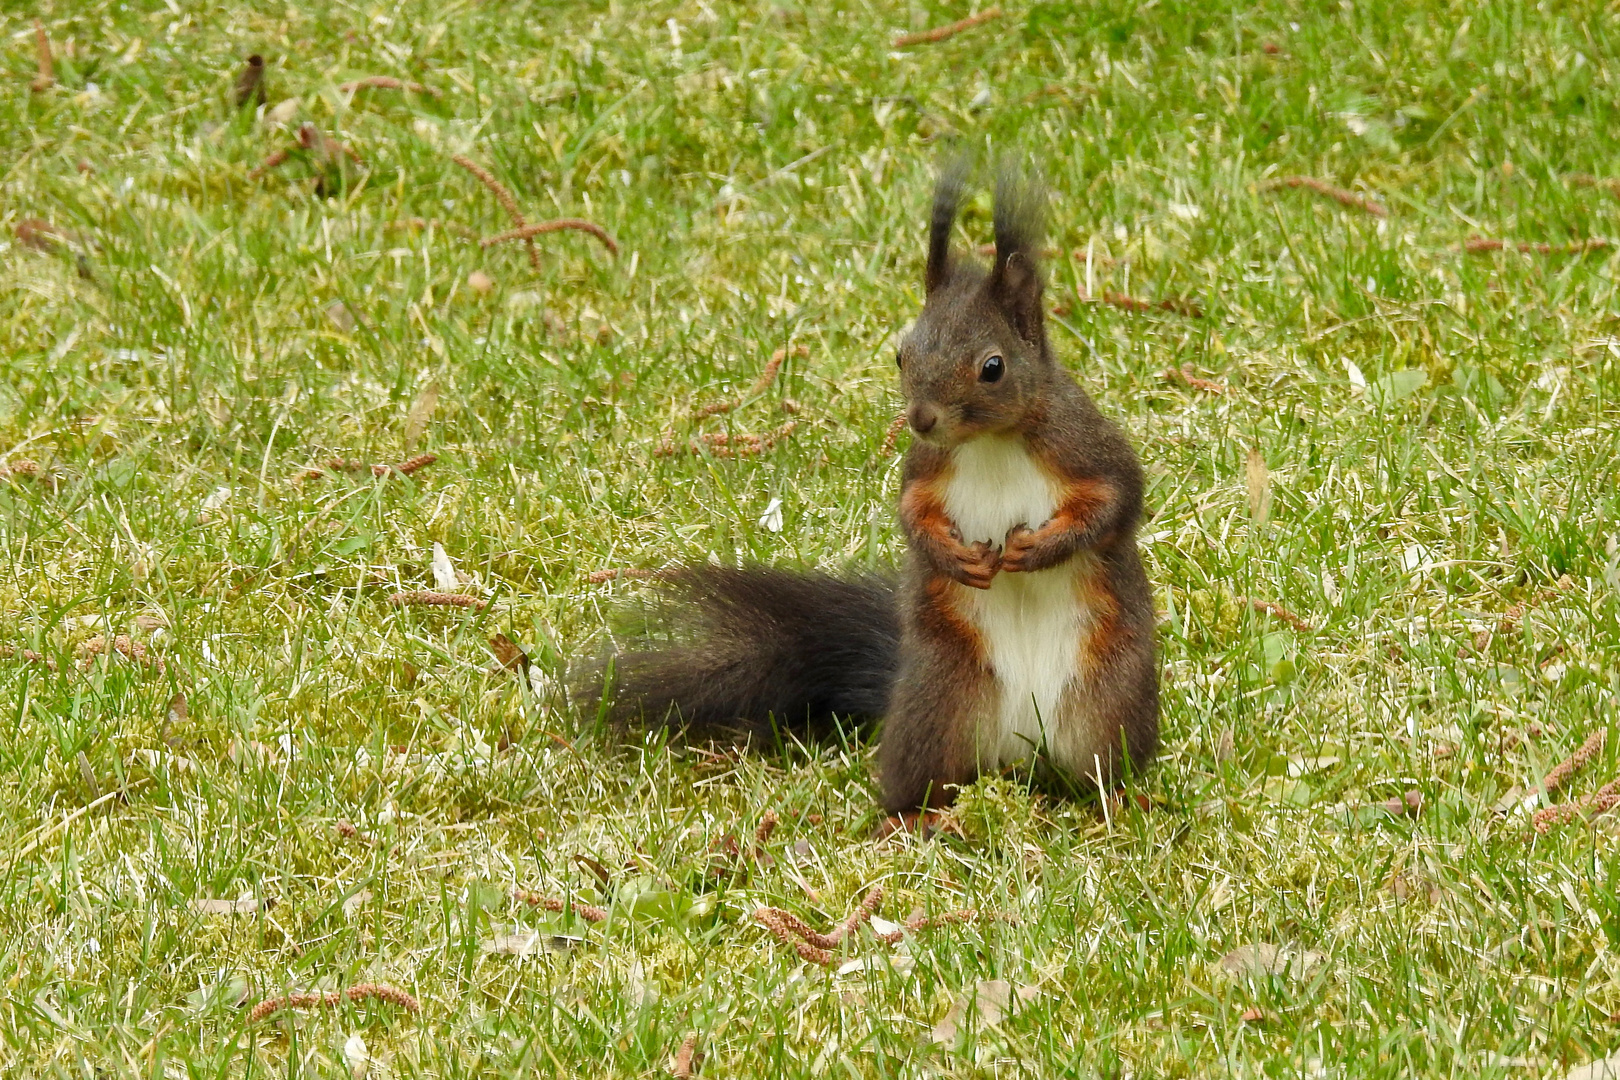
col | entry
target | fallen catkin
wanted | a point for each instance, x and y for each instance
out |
(1337, 194)
(358, 992)
(941, 33)
(529, 231)
(589, 912)
(428, 598)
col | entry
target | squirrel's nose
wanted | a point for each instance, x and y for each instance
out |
(923, 417)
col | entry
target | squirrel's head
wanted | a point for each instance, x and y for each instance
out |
(977, 360)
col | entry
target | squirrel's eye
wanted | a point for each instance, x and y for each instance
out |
(992, 369)
(899, 363)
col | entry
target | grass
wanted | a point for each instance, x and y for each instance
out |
(1413, 439)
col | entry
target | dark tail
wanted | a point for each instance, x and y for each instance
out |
(764, 649)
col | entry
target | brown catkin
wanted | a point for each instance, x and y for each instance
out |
(359, 992)
(1337, 194)
(428, 598)
(529, 231)
(502, 196)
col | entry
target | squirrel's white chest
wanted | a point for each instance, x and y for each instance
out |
(1031, 624)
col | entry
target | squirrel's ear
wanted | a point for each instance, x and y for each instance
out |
(1015, 283)
(1015, 289)
(947, 196)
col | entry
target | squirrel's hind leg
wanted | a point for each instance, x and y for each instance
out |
(930, 739)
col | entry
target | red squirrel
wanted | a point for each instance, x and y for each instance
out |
(1022, 620)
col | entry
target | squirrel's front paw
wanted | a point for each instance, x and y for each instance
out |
(975, 566)
(1022, 551)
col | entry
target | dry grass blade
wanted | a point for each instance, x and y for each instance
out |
(387, 82)
(1338, 194)
(1175, 305)
(529, 231)
(427, 598)
(357, 993)
(942, 33)
(42, 50)
(502, 196)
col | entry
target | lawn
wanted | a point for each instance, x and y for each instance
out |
(1383, 530)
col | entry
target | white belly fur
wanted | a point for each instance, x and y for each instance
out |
(1031, 623)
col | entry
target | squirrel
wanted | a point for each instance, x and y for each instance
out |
(1022, 620)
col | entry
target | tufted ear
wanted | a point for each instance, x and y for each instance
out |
(1014, 286)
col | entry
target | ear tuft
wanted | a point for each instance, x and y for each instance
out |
(1015, 286)
(947, 197)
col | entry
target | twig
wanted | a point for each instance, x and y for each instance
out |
(527, 232)
(47, 70)
(685, 1059)
(502, 196)
(387, 82)
(896, 426)
(1337, 194)
(589, 912)
(941, 33)
(427, 598)
(598, 577)
(123, 645)
(1184, 374)
(357, 993)
(1477, 244)
(1266, 607)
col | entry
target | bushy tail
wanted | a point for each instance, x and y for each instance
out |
(763, 649)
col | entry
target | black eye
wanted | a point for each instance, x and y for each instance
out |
(899, 363)
(992, 369)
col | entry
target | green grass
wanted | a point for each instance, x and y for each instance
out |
(766, 169)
